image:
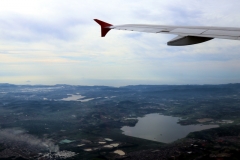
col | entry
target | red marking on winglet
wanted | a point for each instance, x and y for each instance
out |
(104, 27)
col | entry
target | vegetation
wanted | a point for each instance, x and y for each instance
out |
(41, 111)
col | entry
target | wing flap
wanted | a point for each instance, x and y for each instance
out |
(188, 31)
(222, 33)
(140, 29)
(218, 36)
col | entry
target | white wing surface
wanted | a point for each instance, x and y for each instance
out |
(186, 35)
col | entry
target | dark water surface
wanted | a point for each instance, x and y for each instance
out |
(162, 128)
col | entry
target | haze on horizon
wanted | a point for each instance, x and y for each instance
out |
(57, 42)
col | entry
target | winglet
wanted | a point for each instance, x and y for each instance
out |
(104, 27)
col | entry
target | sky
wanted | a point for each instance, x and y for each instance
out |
(57, 42)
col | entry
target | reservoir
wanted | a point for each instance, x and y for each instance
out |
(73, 98)
(162, 128)
(79, 98)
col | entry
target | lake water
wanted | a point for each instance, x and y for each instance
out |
(162, 128)
(73, 98)
(79, 98)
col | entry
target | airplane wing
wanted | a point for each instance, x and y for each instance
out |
(186, 35)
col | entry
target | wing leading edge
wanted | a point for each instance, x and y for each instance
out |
(186, 35)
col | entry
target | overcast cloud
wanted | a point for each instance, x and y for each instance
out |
(57, 41)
